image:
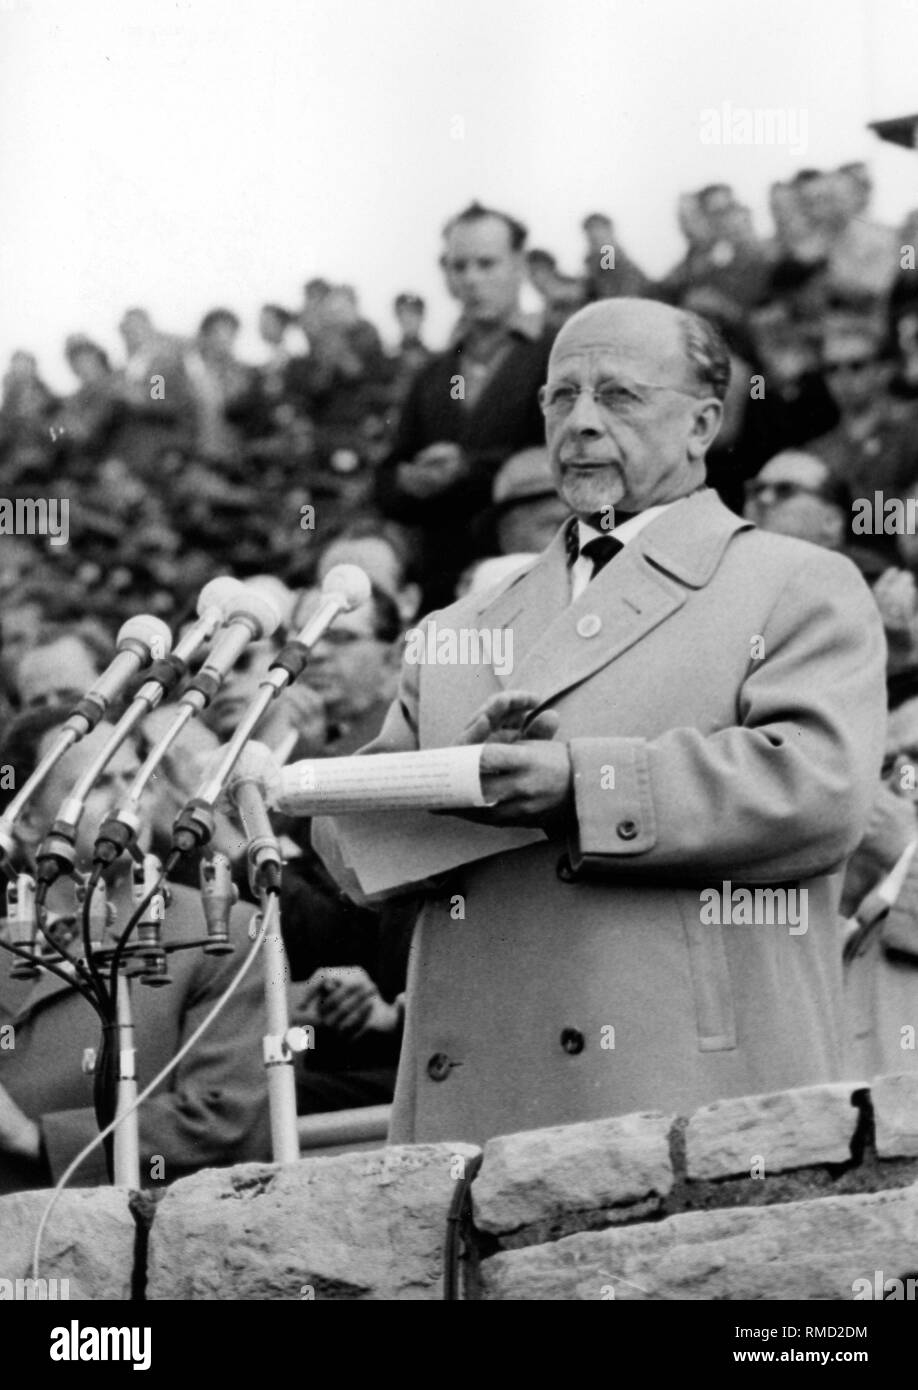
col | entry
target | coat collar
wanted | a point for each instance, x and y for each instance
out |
(688, 540)
(678, 551)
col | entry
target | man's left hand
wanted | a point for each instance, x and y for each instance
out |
(18, 1134)
(530, 781)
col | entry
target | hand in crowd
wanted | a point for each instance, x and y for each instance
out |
(345, 999)
(18, 1134)
(432, 471)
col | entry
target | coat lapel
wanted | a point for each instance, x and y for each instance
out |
(614, 611)
(558, 644)
(531, 603)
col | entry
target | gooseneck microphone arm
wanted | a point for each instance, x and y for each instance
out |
(139, 641)
(57, 852)
(57, 855)
(250, 617)
(67, 737)
(344, 589)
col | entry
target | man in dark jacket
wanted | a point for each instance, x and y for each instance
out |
(473, 405)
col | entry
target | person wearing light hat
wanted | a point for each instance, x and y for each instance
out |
(527, 510)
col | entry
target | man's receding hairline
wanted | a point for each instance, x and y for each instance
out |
(698, 342)
(494, 218)
(566, 345)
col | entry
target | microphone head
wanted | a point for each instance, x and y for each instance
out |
(349, 583)
(151, 632)
(220, 593)
(276, 591)
(254, 604)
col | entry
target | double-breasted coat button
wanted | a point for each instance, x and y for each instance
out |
(626, 829)
(589, 625)
(572, 1041)
(439, 1067)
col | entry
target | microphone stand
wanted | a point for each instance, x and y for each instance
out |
(127, 1133)
(152, 903)
(280, 1041)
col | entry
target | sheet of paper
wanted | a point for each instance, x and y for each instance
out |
(433, 779)
(387, 850)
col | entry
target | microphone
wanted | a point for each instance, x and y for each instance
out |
(248, 616)
(219, 895)
(56, 855)
(345, 588)
(254, 773)
(216, 599)
(139, 641)
(251, 616)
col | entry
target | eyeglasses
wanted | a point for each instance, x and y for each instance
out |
(855, 364)
(613, 398)
(783, 491)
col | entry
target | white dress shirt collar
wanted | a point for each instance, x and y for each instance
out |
(582, 568)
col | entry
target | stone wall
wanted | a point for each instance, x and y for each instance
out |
(805, 1194)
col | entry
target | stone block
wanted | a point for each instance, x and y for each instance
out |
(830, 1248)
(359, 1226)
(789, 1129)
(87, 1246)
(542, 1174)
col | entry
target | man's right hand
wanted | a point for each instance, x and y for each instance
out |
(432, 471)
(503, 719)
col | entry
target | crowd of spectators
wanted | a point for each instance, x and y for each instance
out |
(427, 468)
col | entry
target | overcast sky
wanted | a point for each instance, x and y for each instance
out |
(184, 155)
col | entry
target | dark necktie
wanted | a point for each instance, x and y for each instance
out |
(601, 550)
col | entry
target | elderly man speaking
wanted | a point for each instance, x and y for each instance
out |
(695, 720)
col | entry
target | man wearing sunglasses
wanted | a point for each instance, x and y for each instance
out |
(875, 444)
(796, 494)
(692, 702)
